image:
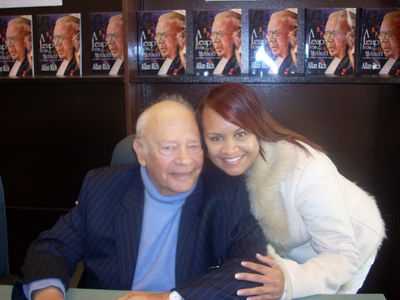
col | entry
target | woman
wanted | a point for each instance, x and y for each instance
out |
(325, 231)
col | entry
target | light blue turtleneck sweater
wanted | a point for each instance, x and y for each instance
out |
(155, 267)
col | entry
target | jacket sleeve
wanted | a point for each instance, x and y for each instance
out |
(331, 256)
(55, 253)
(244, 238)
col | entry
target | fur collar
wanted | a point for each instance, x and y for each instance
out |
(263, 183)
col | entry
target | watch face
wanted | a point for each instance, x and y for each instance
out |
(174, 295)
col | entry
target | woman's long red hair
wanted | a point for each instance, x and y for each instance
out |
(239, 104)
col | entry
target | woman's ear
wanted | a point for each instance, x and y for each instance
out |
(140, 150)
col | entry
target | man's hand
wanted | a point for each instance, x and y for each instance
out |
(134, 295)
(269, 274)
(50, 293)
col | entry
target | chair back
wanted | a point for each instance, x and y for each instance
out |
(123, 152)
(4, 266)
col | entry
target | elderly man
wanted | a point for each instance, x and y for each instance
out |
(156, 227)
(336, 34)
(281, 26)
(169, 32)
(115, 42)
(224, 29)
(389, 37)
(65, 31)
(18, 31)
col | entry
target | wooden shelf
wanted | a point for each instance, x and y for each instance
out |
(312, 79)
(52, 79)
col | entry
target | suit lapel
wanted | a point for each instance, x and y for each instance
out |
(128, 226)
(187, 235)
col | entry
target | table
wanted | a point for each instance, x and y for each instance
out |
(89, 294)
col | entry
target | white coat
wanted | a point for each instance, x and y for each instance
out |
(325, 230)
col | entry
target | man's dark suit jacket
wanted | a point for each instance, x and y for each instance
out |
(232, 67)
(72, 68)
(176, 67)
(287, 67)
(103, 230)
(24, 69)
(395, 69)
(344, 67)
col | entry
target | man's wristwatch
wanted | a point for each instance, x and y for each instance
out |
(174, 295)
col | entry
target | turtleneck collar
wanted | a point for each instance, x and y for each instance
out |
(178, 198)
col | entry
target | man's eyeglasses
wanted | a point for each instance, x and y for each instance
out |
(112, 37)
(161, 36)
(273, 34)
(11, 40)
(332, 34)
(387, 35)
(217, 36)
(58, 39)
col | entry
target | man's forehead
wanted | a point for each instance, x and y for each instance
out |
(114, 25)
(61, 26)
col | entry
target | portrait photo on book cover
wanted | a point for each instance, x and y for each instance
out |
(162, 42)
(218, 38)
(389, 37)
(106, 43)
(59, 44)
(16, 56)
(379, 46)
(330, 41)
(273, 41)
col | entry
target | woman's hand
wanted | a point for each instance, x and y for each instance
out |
(269, 275)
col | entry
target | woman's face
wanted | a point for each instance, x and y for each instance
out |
(230, 148)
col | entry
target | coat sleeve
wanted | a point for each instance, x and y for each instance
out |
(56, 252)
(240, 238)
(331, 256)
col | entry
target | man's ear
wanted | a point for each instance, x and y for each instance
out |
(139, 150)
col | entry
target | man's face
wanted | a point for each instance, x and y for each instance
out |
(115, 39)
(278, 37)
(335, 38)
(171, 151)
(222, 37)
(167, 37)
(389, 36)
(15, 40)
(63, 40)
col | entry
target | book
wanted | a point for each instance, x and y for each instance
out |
(273, 41)
(59, 44)
(16, 51)
(162, 42)
(330, 41)
(106, 38)
(379, 47)
(217, 36)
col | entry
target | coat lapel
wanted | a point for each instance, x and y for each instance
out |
(187, 235)
(128, 226)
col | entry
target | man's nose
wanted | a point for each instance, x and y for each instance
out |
(183, 156)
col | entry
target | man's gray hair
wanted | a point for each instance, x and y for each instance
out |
(142, 120)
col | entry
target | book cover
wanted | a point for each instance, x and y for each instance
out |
(106, 38)
(330, 41)
(162, 42)
(273, 41)
(379, 46)
(59, 44)
(16, 51)
(217, 36)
